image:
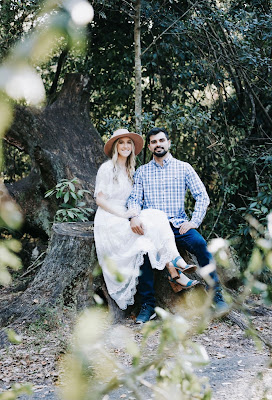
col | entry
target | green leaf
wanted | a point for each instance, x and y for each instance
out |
(49, 193)
(71, 214)
(62, 212)
(64, 205)
(60, 184)
(72, 187)
(66, 197)
(73, 195)
(59, 194)
(264, 209)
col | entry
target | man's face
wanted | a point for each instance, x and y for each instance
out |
(159, 144)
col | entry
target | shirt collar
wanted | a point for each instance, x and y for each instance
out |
(166, 161)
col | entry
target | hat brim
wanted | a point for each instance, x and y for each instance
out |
(137, 140)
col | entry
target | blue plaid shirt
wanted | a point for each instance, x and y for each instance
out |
(164, 188)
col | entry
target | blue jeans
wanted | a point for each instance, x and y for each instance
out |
(191, 241)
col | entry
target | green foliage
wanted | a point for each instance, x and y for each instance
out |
(72, 208)
(261, 204)
(17, 164)
(16, 20)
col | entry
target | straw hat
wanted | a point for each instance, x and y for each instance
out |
(137, 139)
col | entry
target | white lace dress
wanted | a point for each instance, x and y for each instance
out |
(119, 250)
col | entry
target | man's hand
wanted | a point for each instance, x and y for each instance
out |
(137, 226)
(186, 226)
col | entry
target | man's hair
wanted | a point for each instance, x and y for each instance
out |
(155, 131)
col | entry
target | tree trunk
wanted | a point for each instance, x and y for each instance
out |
(62, 143)
(66, 275)
(138, 67)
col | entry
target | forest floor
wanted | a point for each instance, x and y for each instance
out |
(238, 369)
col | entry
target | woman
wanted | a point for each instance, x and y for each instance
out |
(119, 250)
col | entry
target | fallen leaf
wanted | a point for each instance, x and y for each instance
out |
(219, 355)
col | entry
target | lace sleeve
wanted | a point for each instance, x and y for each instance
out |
(104, 180)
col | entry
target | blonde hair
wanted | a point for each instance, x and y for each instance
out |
(130, 162)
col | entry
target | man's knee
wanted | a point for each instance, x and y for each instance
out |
(198, 246)
(198, 241)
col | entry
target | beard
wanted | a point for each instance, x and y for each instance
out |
(160, 154)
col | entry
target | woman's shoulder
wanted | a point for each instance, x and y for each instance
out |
(106, 166)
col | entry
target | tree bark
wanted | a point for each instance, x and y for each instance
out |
(62, 143)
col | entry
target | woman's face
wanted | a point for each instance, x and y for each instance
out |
(124, 147)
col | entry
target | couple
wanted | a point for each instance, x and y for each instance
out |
(138, 226)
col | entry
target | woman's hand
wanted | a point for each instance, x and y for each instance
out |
(137, 226)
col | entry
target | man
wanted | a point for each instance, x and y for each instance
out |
(162, 184)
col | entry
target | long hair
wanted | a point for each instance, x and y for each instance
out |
(130, 163)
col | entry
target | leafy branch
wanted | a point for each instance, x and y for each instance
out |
(72, 208)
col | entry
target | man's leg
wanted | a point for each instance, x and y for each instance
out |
(197, 245)
(146, 290)
(146, 283)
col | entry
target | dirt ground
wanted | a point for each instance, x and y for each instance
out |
(239, 368)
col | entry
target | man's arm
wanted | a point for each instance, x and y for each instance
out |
(135, 202)
(197, 188)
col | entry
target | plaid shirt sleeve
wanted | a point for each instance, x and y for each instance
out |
(197, 188)
(135, 200)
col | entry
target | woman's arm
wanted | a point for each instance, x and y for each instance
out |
(135, 200)
(102, 202)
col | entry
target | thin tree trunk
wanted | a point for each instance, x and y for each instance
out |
(61, 60)
(138, 67)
